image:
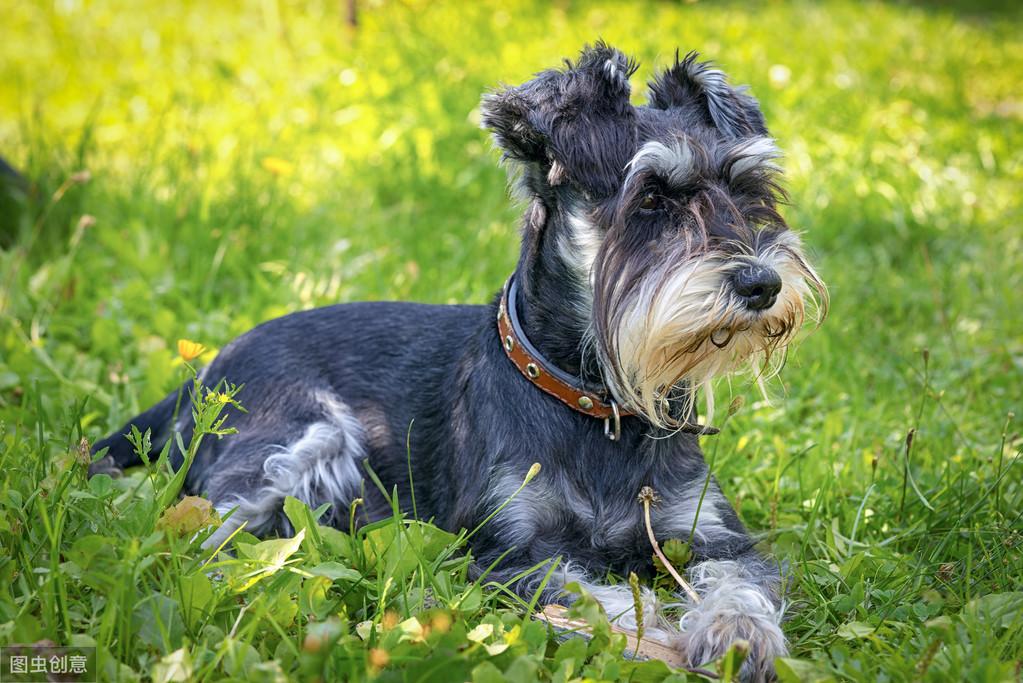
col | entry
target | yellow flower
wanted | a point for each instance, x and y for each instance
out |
(378, 658)
(190, 350)
(278, 166)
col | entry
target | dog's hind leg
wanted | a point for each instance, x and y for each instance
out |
(322, 464)
(158, 420)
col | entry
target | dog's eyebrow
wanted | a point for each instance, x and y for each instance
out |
(675, 163)
(753, 153)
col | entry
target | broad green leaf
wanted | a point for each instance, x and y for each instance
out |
(273, 553)
(301, 518)
(335, 571)
(469, 601)
(336, 542)
(522, 670)
(196, 597)
(645, 671)
(997, 609)
(854, 629)
(313, 596)
(268, 557)
(486, 672)
(801, 671)
(677, 551)
(101, 485)
(157, 621)
(239, 658)
(573, 650)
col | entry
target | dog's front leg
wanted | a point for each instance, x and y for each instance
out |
(737, 589)
(738, 601)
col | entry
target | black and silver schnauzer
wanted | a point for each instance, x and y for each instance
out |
(653, 260)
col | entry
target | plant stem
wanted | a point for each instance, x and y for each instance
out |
(646, 497)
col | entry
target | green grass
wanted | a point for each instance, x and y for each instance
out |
(256, 159)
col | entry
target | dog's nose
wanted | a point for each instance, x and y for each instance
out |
(758, 286)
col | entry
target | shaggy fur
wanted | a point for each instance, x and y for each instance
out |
(653, 259)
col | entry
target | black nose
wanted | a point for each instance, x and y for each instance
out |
(758, 286)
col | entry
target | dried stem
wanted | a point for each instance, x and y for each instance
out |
(646, 497)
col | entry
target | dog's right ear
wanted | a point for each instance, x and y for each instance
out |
(518, 118)
(573, 124)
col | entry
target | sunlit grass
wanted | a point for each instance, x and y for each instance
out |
(248, 159)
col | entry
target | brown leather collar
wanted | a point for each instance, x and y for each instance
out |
(586, 399)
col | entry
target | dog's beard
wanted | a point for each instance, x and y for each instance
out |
(676, 326)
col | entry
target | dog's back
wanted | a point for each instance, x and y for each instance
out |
(368, 359)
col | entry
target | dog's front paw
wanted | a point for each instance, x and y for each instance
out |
(732, 608)
(105, 465)
(708, 642)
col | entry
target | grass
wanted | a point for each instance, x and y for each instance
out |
(248, 159)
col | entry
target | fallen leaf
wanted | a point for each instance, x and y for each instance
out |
(191, 514)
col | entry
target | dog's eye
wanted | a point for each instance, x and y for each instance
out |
(651, 202)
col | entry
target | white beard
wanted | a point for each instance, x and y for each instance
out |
(682, 326)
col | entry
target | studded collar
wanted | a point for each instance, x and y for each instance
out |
(579, 396)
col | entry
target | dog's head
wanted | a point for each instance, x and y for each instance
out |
(662, 220)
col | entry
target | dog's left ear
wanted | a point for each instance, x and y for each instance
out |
(693, 83)
(573, 124)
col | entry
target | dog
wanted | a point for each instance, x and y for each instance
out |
(653, 260)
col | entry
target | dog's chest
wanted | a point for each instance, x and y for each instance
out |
(556, 514)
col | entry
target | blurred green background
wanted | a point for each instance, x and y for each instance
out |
(246, 159)
(251, 158)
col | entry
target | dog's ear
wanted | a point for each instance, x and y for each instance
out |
(575, 123)
(690, 82)
(518, 119)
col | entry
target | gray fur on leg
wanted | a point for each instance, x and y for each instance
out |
(735, 605)
(105, 465)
